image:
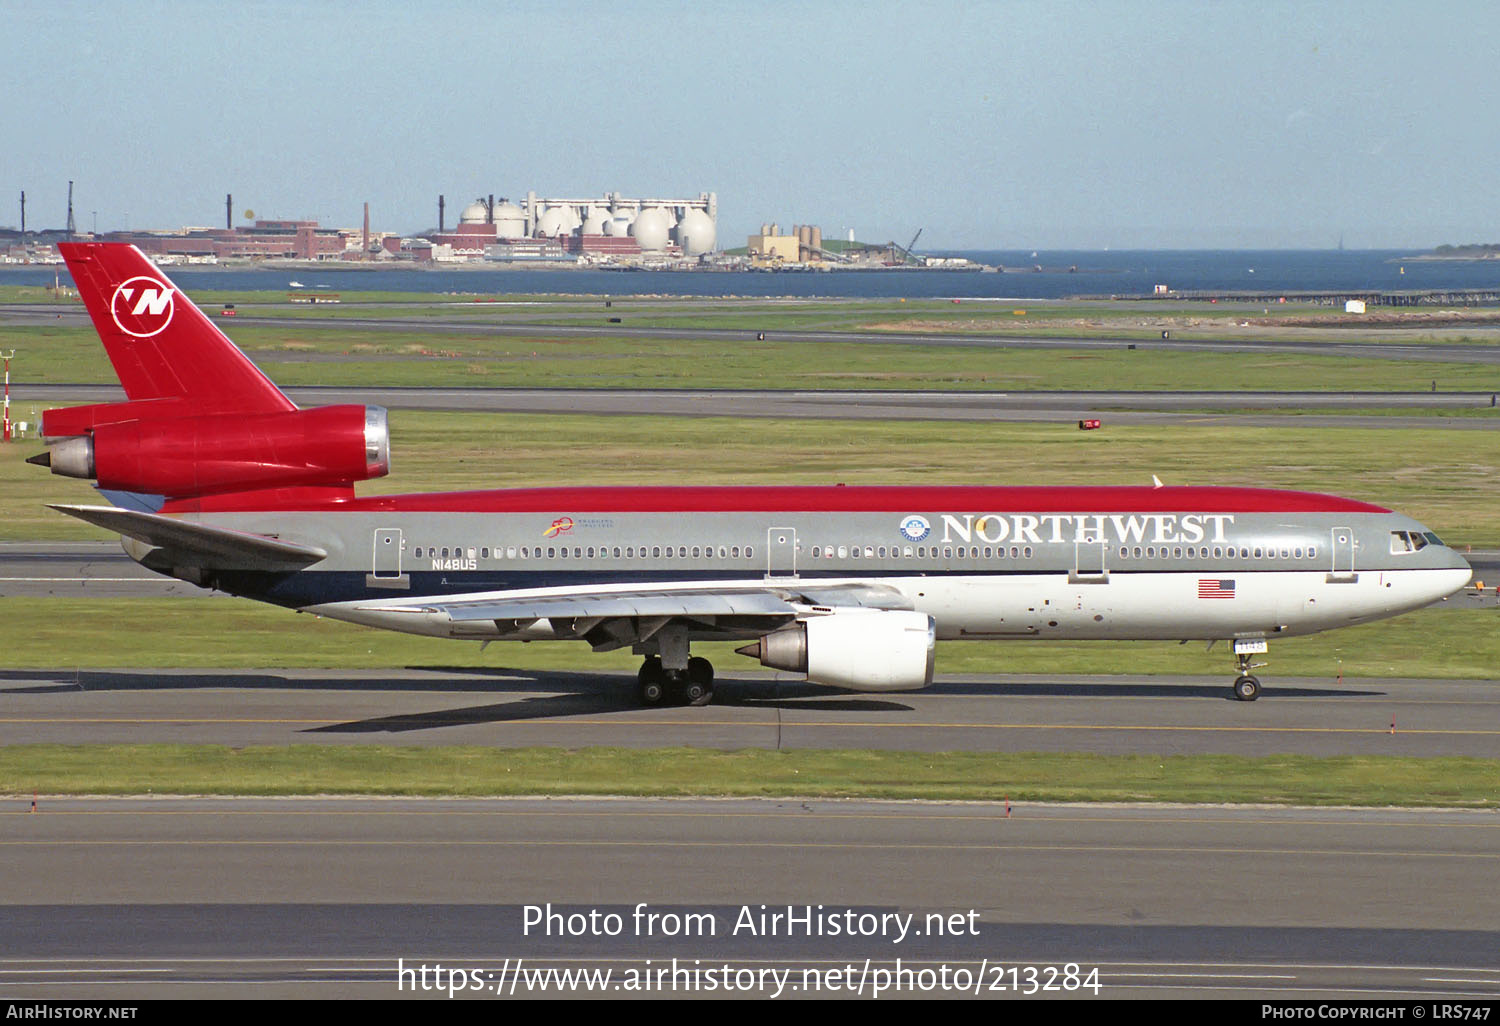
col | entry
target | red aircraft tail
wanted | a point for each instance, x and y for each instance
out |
(200, 420)
(170, 357)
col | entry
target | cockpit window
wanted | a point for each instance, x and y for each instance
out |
(1411, 541)
(1433, 539)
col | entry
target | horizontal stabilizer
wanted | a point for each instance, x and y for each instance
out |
(189, 544)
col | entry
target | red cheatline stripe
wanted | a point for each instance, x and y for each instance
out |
(977, 501)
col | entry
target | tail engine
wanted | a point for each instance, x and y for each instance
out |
(185, 457)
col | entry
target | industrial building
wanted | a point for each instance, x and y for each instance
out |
(602, 227)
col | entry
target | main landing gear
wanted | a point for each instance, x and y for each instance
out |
(693, 685)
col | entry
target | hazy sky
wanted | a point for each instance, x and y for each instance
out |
(989, 125)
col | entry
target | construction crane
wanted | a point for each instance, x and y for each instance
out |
(907, 254)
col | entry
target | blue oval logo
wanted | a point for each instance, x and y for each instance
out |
(915, 528)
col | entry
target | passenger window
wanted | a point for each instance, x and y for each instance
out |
(843, 551)
(1257, 553)
(735, 552)
(749, 551)
(484, 553)
(551, 552)
(906, 552)
(1027, 552)
(696, 551)
(655, 551)
(1312, 552)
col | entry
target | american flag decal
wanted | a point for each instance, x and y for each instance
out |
(1215, 588)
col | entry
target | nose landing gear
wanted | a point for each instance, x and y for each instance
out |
(1247, 686)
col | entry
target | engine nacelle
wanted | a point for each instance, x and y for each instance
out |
(191, 456)
(859, 649)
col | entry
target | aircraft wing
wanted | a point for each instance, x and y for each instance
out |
(611, 618)
(211, 548)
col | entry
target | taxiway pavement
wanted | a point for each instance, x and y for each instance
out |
(511, 708)
(1310, 410)
(139, 898)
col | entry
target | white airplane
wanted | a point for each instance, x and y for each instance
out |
(221, 481)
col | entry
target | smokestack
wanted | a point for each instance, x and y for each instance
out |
(367, 228)
(489, 211)
(229, 211)
(441, 229)
(23, 213)
(72, 227)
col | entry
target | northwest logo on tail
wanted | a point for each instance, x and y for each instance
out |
(142, 306)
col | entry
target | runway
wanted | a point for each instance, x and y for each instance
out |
(1201, 409)
(1436, 352)
(139, 898)
(1170, 715)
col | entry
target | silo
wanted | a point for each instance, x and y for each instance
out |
(817, 242)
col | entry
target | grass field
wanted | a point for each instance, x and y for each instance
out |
(225, 633)
(1444, 478)
(946, 776)
(301, 354)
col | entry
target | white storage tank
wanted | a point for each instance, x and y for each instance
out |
(619, 222)
(594, 223)
(650, 229)
(510, 221)
(695, 233)
(557, 221)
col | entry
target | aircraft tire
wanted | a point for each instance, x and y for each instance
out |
(698, 687)
(652, 682)
(1247, 689)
